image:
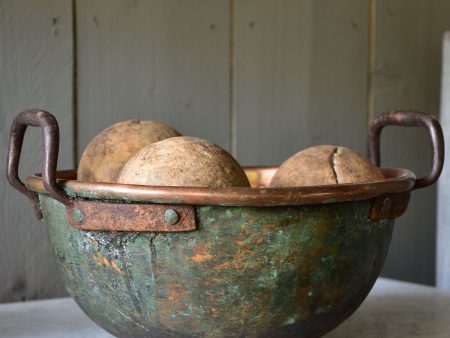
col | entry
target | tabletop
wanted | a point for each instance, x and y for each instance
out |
(392, 309)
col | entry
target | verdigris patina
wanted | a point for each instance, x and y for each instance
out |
(245, 271)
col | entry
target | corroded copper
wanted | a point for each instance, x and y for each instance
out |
(109, 198)
(263, 262)
(397, 180)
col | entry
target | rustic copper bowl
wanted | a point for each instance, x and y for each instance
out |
(147, 261)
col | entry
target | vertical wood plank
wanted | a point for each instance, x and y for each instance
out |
(35, 71)
(158, 59)
(300, 76)
(443, 230)
(405, 78)
(441, 60)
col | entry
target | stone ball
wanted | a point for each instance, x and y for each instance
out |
(325, 164)
(108, 152)
(183, 161)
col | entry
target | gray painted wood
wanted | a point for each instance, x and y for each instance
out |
(300, 76)
(403, 79)
(157, 59)
(35, 71)
(443, 231)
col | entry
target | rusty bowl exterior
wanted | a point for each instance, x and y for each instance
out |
(275, 271)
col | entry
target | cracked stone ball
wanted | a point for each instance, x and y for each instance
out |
(183, 161)
(325, 164)
(108, 152)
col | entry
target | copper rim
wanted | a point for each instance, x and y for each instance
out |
(396, 181)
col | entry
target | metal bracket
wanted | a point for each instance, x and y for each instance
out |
(107, 216)
(389, 206)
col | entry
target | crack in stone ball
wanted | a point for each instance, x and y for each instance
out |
(325, 164)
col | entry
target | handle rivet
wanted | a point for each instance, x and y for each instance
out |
(387, 203)
(171, 217)
(77, 215)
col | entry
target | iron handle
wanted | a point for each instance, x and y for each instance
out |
(409, 119)
(50, 145)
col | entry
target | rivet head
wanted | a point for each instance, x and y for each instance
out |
(387, 203)
(171, 217)
(77, 215)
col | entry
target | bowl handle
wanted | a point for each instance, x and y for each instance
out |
(50, 145)
(409, 119)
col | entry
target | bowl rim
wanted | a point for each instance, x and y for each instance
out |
(397, 180)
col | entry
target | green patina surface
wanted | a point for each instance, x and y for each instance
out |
(245, 272)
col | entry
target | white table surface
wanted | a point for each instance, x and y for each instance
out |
(393, 309)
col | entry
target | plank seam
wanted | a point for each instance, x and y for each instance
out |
(74, 84)
(371, 60)
(231, 79)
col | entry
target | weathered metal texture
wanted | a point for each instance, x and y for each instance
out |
(101, 211)
(109, 216)
(245, 272)
(396, 181)
(409, 119)
(262, 262)
(50, 146)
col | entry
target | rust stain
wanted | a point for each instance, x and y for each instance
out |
(115, 266)
(271, 225)
(240, 260)
(97, 257)
(223, 266)
(164, 312)
(175, 293)
(201, 257)
(105, 261)
(211, 311)
(170, 308)
(109, 216)
(201, 253)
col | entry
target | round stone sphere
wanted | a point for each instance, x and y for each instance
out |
(184, 161)
(325, 164)
(108, 152)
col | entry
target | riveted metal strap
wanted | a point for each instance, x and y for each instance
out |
(106, 216)
(389, 206)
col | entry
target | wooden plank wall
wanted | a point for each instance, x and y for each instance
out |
(297, 83)
(35, 71)
(157, 59)
(441, 24)
(262, 78)
(443, 228)
(406, 74)
(399, 81)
